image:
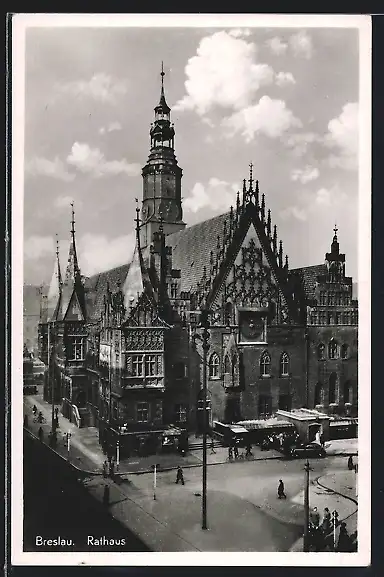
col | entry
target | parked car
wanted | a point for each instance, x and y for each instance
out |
(307, 450)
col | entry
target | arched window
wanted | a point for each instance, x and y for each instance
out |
(214, 366)
(332, 388)
(319, 394)
(265, 364)
(333, 349)
(321, 352)
(344, 351)
(227, 366)
(284, 365)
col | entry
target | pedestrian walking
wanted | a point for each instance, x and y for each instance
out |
(322, 441)
(326, 522)
(248, 451)
(40, 433)
(230, 453)
(236, 450)
(56, 413)
(350, 463)
(34, 409)
(106, 496)
(112, 469)
(281, 490)
(105, 469)
(344, 542)
(179, 475)
(315, 518)
(40, 417)
(213, 452)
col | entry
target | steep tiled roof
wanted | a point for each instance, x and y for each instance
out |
(96, 286)
(309, 275)
(191, 249)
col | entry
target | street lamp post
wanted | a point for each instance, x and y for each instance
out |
(205, 339)
(118, 450)
(69, 434)
(306, 507)
(154, 479)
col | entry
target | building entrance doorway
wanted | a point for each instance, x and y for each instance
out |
(314, 432)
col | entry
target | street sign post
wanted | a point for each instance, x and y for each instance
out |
(154, 467)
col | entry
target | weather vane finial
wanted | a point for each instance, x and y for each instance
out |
(73, 216)
(162, 74)
(250, 175)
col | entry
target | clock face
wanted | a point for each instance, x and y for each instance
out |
(252, 327)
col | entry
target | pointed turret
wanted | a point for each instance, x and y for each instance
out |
(73, 294)
(55, 288)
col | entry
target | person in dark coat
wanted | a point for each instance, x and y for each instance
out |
(344, 542)
(281, 490)
(326, 522)
(34, 409)
(236, 450)
(179, 475)
(350, 463)
(105, 468)
(315, 518)
(112, 469)
(40, 433)
(106, 496)
(230, 453)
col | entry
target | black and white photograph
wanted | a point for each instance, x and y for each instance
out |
(191, 202)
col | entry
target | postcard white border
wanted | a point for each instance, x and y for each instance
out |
(363, 23)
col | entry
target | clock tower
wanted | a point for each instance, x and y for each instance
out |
(161, 177)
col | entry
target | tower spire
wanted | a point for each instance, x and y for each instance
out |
(59, 278)
(73, 270)
(250, 176)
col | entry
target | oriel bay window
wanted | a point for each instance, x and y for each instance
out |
(76, 349)
(144, 365)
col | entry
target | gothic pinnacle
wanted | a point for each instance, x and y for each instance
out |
(269, 223)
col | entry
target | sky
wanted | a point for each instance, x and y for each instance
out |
(285, 99)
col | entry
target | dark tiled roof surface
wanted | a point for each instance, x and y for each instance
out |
(191, 249)
(96, 286)
(309, 275)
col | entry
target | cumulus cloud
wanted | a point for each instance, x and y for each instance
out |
(305, 175)
(97, 252)
(37, 247)
(277, 45)
(269, 117)
(294, 212)
(284, 78)
(238, 32)
(101, 87)
(332, 196)
(299, 142)
(342, 137)
(301, 44)
(223, 73)
(39, 166)
(111, 127)
(92, 161)
(217, 195)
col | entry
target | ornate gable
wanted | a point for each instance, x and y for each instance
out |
(249, 268)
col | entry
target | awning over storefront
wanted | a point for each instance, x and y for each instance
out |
(266, 424)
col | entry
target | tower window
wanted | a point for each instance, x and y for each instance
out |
(344, 351)
(214, 366)
(265, 364)
(284, 365)
(77, 349)
(137, 365)
(321, 352)
(333, 350)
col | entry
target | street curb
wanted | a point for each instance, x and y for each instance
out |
(94, 473)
